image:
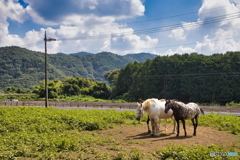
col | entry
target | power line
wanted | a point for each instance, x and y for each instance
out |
(152, 30)
(179, 15)
(175, 15)
(186, 44)
(189, 25)
(161, 29)
(156, 29)
(196, 75)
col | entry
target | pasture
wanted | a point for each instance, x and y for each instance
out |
(50, 133)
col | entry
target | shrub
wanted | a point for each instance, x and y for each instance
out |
(196, 152)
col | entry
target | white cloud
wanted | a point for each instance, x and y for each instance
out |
(215, 8)
(188, 26)
(4, 27)
(92, 19)
(217, 37)
(13, 11)
(179, 50)
(130, 42)
(46, 11)
(9, 9)
(178, 34)
(38, 19)
(221, 43)
(124, 41)
(90, 25)
(74, 39)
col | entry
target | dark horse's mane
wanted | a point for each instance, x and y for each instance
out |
(180, 109)
(183, 107)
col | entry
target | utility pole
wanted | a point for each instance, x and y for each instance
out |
(46, 75)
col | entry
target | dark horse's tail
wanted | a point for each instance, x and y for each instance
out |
(202, 111)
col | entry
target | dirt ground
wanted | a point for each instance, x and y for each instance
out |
(141, 140)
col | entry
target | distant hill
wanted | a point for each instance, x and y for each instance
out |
(79, 53)
(23, 68)
(142, 57)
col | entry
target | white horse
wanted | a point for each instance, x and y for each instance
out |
(155, 109)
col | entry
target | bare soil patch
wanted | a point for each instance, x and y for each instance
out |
(137, 137)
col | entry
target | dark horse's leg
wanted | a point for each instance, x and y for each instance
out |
(153, 126)
(194, 126)
(149, 131)
(184, 127)
(177, 120)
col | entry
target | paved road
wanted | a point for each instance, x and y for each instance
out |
(120, 109)
(110, 105)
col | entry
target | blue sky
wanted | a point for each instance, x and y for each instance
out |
(162, 27)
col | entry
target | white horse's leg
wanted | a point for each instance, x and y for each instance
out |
(160, 120)
(174, 124)
(153, 127)
(156, 122)
(166, 121)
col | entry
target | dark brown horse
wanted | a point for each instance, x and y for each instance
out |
(183, 112)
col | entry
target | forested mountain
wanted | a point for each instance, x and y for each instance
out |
(188, 77)
(141, 57)
(79, 53)
(20, 67)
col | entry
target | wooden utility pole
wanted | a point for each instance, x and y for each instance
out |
(46, 75)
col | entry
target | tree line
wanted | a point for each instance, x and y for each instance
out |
(74, 86)
(188, 77)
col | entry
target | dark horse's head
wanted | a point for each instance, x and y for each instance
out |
(168, 105)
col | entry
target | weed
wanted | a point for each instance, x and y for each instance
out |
(195, 152)
(233, 104)
(117, 148)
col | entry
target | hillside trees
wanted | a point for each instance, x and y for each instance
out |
(187, 77)
(74, 86)
(112, 75)
(125, 81)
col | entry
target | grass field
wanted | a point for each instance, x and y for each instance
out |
(50, 133)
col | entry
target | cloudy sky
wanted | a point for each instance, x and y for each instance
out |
(162, 27)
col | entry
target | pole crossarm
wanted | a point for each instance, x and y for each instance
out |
(50, 39)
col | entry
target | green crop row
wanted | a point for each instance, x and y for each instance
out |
(46, 120)
(50, 133)
(228, 123)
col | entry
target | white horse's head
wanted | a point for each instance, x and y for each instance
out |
(139, 111)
